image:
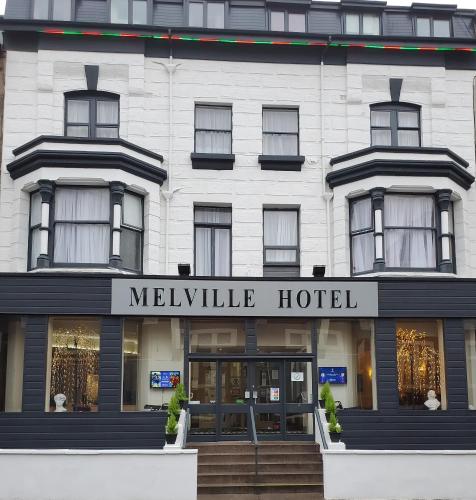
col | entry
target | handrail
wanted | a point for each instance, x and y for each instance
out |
(185, 430)
(255, 438)
(317, 417)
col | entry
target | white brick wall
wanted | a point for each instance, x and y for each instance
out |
(34, 105)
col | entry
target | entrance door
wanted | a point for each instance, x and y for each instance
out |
(280, 392)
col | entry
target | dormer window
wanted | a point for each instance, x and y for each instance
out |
(206, 14)
(361, 24)
(395, 124)
(430, 27)
(129, 11)
(282, 20)
(57, 10)
(92, 114)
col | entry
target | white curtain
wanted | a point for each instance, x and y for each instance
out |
(78, 111)
(120, 11)
(139, 12)
(107, 112)
(277, 20)
(423, 26)
(361, 214)
(280, 229)
(408, 138)
(195, 14)
(222, 252)
(212, 215)
(132, 210)
(35, 247)
(352, 24)
(82, 243)
(371, 24)
(40, 9)
(35, 209)
(362, 244)
(215, 15)
(277, 127)
(203, 251)
(380, 118)
(216, 136)
(410, 247)
(62, 10)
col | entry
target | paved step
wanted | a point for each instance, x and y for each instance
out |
(274, 489)
(241, 466)
(263, 496)
(288, 477)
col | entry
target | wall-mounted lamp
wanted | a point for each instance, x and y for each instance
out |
(318, 271)
(184, 269)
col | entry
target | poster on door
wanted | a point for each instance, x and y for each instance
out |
(274, 394)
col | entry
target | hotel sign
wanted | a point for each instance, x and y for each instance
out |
(165, 297)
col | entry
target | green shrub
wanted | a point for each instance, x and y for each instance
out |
(330, 404)
(332, 423)
(174, 407)
(180, 392)
(326, 389)
(171, 427)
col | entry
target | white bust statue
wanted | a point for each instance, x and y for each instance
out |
(60, 400)
(432, 402)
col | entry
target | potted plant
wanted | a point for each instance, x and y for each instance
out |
(171, 429)
(174, 407)
(326, 389)
(181, 395)
(335, 428)
(330, 405)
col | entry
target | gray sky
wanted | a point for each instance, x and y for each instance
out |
(462, 4)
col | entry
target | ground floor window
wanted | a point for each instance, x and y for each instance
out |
(346, 359)
(470, 342)
(11, 364)
(73, 364)
(421, 364)
(153, 353)
(283, 335)
(217, 336)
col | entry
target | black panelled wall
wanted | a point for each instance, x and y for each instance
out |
(35, 297)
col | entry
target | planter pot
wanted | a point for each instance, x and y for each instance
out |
(335, 436)
(170, 438)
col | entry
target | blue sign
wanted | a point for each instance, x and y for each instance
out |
(334, 375)
(164, 380)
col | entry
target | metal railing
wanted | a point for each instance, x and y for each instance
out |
(317, 418)
(185, 429)
(255, 438)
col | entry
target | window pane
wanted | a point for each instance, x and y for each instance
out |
(233, 380)
(408, 138)
(409, 210)
(381, 137)
(268, 377)
(203, 382)
(279, 256)
(203, 251)
(352, 24)
(299, 423)
(349, 345)
(107, 132)
(35, 249)
(441, 28)
(222, 252)
(297, 22)
(234, 423)
(380, 119)
(283, 335)
(225, 336)
(132, 210)
(277, 21)
(423, 26)
(74, 384)
(215, 15)
(195, 14)
(213, 142)
(470, 342)
(280, 120)
(62, 10)
(79, 131)
(299, 382)
(280, 228)
(410, 248)
(139, 12)
(268, 423)
(120, 11)
(370, 24)
(11, 364)
(213, 118)
(35, 210)
(408, 119)
(150, 345)
(420, 363)
(203, 424)
(82, 204)
(78, 111)
(107, 112)
(280, 144)
(40, 9)
(82, 243)
(212, 215)
(131, 245)
(363, 252)
(361, 214)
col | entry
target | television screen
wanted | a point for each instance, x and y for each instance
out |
(164, 380)
(333, 375)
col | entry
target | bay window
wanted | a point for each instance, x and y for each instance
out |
(396, 231)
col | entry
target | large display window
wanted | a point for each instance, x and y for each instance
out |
(153, 362)
(11, 364)
(283, 335)
(346, 359)
(470, 344)
(217, 336)
(421, 364)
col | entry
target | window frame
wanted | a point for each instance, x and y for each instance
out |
(51, 10)
(213, 226)
(130, 13)
(216, 106)
(358, 232)
(361, 23)
(297, 133)
(92, 97)
(286, 13)
(432, 20)
(394, 108)
(204, 4)
(129, 227)
(297, 247)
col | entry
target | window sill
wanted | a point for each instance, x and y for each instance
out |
(405, 274)
(281, 163)
(82, 270)
(210, 161)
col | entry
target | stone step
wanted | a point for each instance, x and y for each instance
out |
(260, 489)
(262, 496)
(240, 466)
(205, 479)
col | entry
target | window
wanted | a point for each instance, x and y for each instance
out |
(62, 10)
(420, 363)
(57, 10)
(139, 12)
(120, 11)
(362, 235)
(73, 364)
(217, 336)
(470, 342)
(361, 24)
(283, 336)
(280, 131)
(129, 11)
(348, 345)
(211, 12)
(280, 20)
(150, 344)
(11, 364)
(212, 241)
(281, 239)
(80, 228)
(395, 125)
(92, 115)
(427, 26)
(213, 129)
